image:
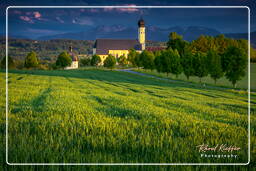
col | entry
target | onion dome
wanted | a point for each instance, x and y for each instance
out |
(141, 23)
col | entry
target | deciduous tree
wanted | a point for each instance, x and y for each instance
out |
(31, 60)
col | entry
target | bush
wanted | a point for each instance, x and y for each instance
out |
(43, 67)
(95, 60)
(110, 62)
(122, 60)
(85, 62)
(63, 60)
(11, 64)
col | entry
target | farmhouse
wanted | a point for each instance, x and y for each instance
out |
(74, 58)
(119, 47)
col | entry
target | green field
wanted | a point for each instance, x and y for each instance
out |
(243, 84)
(103, 116)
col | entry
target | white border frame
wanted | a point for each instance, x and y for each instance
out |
(249, 32)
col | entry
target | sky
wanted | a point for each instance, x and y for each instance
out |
(36, 22)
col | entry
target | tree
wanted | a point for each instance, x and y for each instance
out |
(131, 56)
(201, 66)
(166, 62)
(138, 61)
(31, 60)
(63, 60)
(234, 62)
(147, 60)
(158, 62)
(95, 60)
(85, 61)
(10, 62)
(122, 60)
(175, 42)
(188, 64)
(215, 68)
(176, 67)
(110, 62)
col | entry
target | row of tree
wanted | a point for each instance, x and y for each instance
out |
(223, 57)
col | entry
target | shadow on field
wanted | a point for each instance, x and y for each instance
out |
(112, 77)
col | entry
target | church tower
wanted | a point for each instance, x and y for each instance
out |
(141, 33)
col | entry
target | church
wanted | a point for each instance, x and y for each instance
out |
(74, 58)
(119, 47)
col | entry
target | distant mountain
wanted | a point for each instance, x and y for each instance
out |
(118, 31)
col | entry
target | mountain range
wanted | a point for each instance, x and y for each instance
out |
(118, 31)
(152, 33)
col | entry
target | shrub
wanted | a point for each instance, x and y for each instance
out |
(11, 64)
(95, 60)
(63, 60)
(110, 62)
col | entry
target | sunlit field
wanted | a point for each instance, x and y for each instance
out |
(100, 116)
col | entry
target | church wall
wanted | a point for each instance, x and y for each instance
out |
(118, 53)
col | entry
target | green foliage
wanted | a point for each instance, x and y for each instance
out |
(85, 62)
(187, 62)
(176, 67)
(11, 64)
(201, 65)
(46, 50)
(165, 61)
(95, 60)
(253, 55)
(137, 60)
(158, 63)
(63, 60)
(169, 61)
(110, 62)
(176, 42)
(234, 62)
(132, 57)
(147, 59)
(122, 60)
(31, 60)
(215, 67)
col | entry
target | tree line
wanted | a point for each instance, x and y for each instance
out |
(215, 56)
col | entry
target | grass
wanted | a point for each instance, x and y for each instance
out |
(223, 82)
(99, 116)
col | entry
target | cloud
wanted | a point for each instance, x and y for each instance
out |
(37, 14)
(26, 18)
(31, 17)
(123, 10)
(128, 10)
(59, 20)
(83, 21)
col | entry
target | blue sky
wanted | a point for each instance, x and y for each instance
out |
(39, 22)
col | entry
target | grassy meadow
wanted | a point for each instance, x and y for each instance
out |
(99, 116)
(223, 82)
